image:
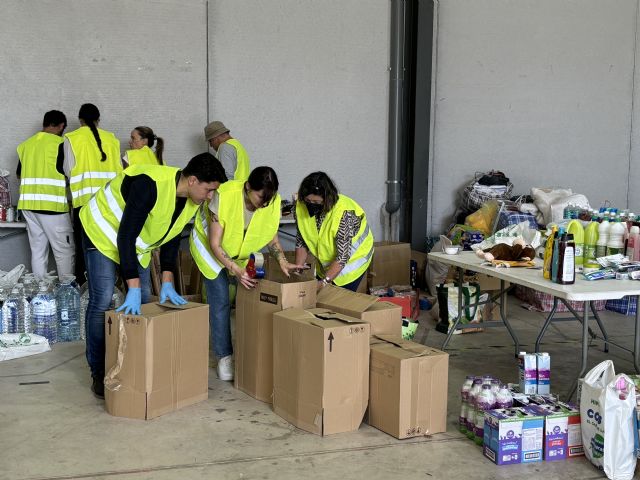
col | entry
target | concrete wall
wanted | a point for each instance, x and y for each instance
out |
(540, 89)
(303, 84)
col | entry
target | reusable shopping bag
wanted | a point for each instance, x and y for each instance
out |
(607, 413)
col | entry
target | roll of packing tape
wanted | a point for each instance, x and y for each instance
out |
(258, 258)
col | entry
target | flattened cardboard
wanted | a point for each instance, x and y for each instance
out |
(384, 317)
(321, 363)
(408, 387)
(273, 272)
(254, 331)
(390, 264)
(156, 362)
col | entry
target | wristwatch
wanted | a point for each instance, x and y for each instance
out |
(326, 280)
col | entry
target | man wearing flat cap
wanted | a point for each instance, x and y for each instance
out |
(228, 150)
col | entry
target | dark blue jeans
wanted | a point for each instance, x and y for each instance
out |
(102, 274)
(220, 313)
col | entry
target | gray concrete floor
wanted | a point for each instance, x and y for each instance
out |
(58, 430)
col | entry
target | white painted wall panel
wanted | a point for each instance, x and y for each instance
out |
(304, 84)
(141, 63)
(538, 89)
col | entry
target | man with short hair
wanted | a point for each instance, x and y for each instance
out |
(142, 208)
(43, 196)
(228, 150)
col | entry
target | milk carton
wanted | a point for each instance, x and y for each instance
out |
(543, 364)
(512, 436)
(528, 373)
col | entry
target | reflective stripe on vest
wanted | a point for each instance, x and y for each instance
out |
(102, 215)
(199, 246)
(242, 161)
(90, 173)
(42, 187)
(321, 243)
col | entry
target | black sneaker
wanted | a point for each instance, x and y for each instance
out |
(97, 387)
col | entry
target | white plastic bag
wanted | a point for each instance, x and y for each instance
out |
(16, 345)
(607, 422)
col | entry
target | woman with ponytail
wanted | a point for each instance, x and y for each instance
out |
(141, 144)
(91, 159)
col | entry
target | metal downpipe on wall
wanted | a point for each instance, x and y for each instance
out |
(396, 85)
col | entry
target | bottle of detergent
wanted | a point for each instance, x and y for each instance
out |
(576, 229)
(603, 238)
(590, 242)
(615, 243)
(548, 253)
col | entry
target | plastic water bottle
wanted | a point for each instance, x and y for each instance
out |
(504, 399)
(68, 310)
(43, 314)
(615, 244)
(12, 314)
(464, 404)
(471, 417)
(25, 308)
(484, 402)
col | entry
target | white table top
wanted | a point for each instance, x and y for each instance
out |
(582, 290)
(13, 225)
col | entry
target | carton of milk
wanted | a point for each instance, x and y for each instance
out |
(543, 368)
(513, 435)
(528, 373)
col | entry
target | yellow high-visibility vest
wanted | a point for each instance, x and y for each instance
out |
(90, 173)
(236, 243)
(242, 157)
(102, 215)
(42, 187)
(142, 156)
(322, 244)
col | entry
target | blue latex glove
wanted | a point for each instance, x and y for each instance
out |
(168, 292)
(132, 303)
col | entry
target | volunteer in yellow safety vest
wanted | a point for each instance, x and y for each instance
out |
(334, 229)
(43, 196)
(91, 159)
(144, 207)
(242, 218)
(228, 150)
(140, 148)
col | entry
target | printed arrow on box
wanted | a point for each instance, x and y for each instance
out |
(330, 338)
(109, 322)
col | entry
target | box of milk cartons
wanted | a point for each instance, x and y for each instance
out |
(543, 369)
(513, 435)
(562, 432)
(528, 372)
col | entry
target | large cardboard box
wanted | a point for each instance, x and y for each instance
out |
(384, 317)
(158, 361)
(320, 369)
(254, 330)
(408, 387)
(390, 264)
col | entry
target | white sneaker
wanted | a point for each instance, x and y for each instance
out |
(225, 368)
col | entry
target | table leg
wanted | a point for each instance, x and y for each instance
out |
(503, 316)
(601, 326)
(460, 310)
(585, 348)
(636, 338)
(546, 323)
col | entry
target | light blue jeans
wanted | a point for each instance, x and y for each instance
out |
(219, 313)
(102, 275)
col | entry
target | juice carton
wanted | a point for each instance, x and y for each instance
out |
(512, 436)
(543, 364)
(528, 373)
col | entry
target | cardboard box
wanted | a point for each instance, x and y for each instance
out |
(390, 264)
(513, 436)
(253, 353)
(421, 259)
(320, 369)
(273, 272)
(156, 362)
(384, 317)
(562, 431)
(407, 387)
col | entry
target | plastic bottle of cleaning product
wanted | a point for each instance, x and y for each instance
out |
(576, 229)
(556, 255)
(615, 243)
(603, 238)
(633, 245)
(548, 253)
(566, 260)
(590, 242)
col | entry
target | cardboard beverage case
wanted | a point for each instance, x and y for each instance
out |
(384, 317)
(158, 361)
(320, 369)
(390, 264)
(513, 435)
(562, 431)
(407, 387)
(253, 353)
